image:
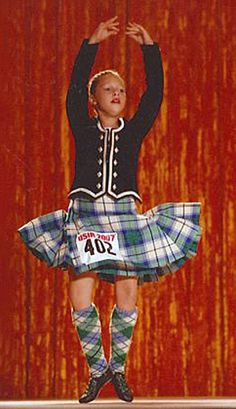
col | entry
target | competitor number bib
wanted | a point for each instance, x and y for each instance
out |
(94, 246)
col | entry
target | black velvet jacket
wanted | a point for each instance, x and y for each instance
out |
(106, 160)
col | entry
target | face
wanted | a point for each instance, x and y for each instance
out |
(110, 95)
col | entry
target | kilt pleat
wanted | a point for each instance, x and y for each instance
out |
(151, 244)
(45, 236)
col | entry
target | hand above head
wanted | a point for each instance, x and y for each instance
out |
(138, 33)
(105, 30)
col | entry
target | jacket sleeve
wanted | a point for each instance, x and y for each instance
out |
(150, 102)
(77, 95)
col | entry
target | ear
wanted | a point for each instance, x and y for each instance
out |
(93, 100)
(94, 103)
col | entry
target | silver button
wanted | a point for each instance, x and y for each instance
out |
(114, 187)
(99, 174)
(101, 137)
(98, 185)
(100, 149)
(115, 162)
(115, 174)
(117, 138)
(116, 150)
(99, 161)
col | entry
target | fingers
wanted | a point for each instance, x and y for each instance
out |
(128, 32)
(141, 34)
(135, 26)
(133, 31)
(139, 26)
(135, 35)
(111, 26)
(113, 32)
(111, 19)
(112, 22)
(134, 38)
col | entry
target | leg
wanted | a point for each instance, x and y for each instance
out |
(126, 289)
(123, 320)
(88, 326)
(81, 289)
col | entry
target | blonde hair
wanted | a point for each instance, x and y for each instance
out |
(92, 85)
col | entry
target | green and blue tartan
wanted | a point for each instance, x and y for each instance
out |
(152, 244)
(88, 326)
(122, 325)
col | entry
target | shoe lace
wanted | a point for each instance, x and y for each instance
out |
(122, 380)
(91, 385)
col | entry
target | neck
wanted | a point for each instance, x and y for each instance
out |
(108, 121)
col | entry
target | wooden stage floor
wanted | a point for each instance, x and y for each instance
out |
(162, 403)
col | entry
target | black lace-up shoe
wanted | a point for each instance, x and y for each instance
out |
(121, 387)
(95, 385)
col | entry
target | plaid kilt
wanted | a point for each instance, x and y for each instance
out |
(151, 244)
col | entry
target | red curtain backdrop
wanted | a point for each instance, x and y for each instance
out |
(184, 342)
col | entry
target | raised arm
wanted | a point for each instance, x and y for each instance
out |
(77, 95)
(150, 102)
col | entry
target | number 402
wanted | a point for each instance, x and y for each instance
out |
(100, 247)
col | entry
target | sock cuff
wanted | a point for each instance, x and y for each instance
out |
(125, 313)
(83, 312)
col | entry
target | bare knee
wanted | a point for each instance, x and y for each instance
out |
(81, 289)
(126, 292)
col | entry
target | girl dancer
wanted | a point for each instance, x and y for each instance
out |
(102, 236)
